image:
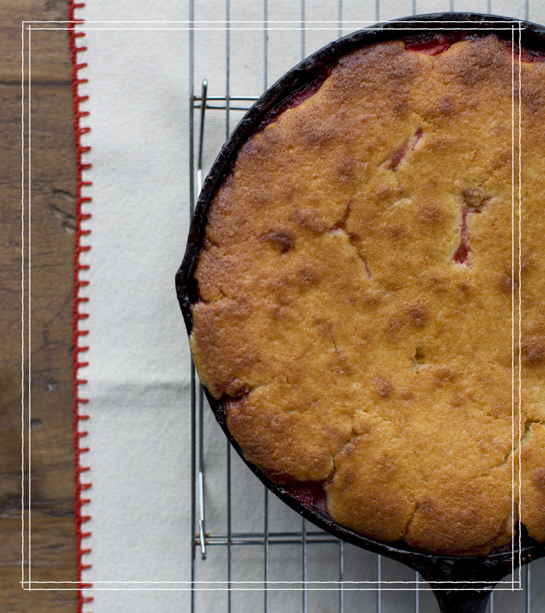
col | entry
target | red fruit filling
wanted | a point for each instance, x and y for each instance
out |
(304, 94)
(296, 99)
(430, 44)
(399, 155)
(522, 54)
(311, 494)
(418, 135)
(474, 201)
(461, 254)
(410, 143)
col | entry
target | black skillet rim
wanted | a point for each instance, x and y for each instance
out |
(442, 568)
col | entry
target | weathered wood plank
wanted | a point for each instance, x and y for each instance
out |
(50, 56)
(53, 211)
(52, 544)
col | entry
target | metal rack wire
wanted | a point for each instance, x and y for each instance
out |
(221, 586)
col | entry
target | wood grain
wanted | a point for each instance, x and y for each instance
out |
(52, 218)
(50, 55)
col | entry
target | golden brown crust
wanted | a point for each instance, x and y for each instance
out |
(359, 287)
(533, 482)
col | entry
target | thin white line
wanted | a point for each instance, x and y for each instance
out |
(332, 28)
(517, 21)
(520, 287)
(108, 29)
(512, 301)
(22, 302)
(29, 309)
(261, 589)
(508, 582)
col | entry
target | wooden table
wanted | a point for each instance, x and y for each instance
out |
(53, 211)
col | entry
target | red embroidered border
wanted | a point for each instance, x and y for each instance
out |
(78, 316)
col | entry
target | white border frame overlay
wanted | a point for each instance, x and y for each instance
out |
(26, 260)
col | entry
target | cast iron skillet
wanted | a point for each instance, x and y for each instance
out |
(473, 578)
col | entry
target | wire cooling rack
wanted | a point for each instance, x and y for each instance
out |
(250, 552)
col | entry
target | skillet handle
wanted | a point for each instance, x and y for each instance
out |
(462, 601)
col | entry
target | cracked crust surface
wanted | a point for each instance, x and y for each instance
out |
(357, 295)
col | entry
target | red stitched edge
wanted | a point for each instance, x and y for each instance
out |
(78, 316)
